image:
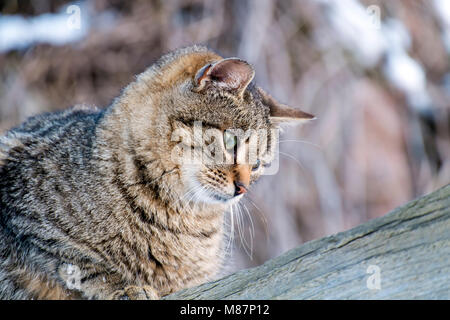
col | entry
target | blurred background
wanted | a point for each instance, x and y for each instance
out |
(376, 73)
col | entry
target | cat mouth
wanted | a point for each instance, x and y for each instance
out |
(227, 199)
(221, 198)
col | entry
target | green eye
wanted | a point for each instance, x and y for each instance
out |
(229, 140)
(256, 165)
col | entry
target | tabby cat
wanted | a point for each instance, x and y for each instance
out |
(93, 203)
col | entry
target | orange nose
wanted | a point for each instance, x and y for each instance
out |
(239, 188)
(241, 179)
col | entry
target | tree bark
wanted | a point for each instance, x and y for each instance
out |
(402, 255)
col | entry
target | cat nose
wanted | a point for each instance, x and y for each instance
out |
(241, 179)
(239, 188)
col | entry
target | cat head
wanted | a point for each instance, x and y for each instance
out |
(211, 122)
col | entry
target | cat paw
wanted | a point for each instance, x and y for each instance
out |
(135, 293)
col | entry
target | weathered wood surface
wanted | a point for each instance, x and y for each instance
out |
(410, 245)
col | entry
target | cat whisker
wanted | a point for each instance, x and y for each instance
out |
(252, 234)
(261, 215)
(302, 141)
(184, 197)
(239, 226)
(295, 159)
(231, 235)
(185, 201)
(247, 246)
(195, 197)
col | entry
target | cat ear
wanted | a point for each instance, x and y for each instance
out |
(230, 74)
(281, 113)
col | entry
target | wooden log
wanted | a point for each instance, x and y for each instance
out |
(402, 255)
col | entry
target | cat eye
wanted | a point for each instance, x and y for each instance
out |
(256, 165)
(230, 140)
